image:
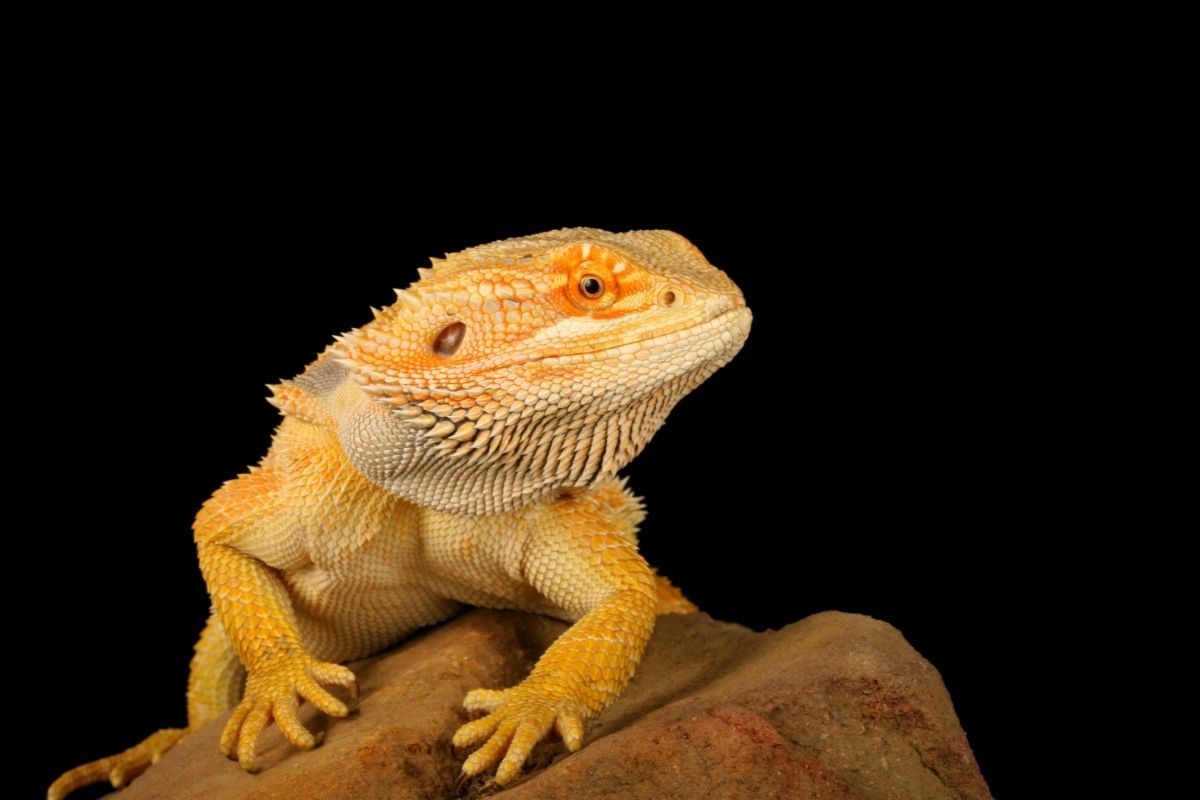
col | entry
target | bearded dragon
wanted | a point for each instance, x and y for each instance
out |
(459, 449)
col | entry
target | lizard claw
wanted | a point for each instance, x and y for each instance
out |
(517, 719)
(274, 693)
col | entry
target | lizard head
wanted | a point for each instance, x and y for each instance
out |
(530, 365)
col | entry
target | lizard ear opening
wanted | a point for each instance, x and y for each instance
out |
(448, 340)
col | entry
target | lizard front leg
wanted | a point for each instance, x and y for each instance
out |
(236, 537)
(582, 563)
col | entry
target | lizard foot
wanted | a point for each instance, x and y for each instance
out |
(274, 692)
(517, 719)
(119, 769)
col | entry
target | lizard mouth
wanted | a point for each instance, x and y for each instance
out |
(693, 343)
(724, 329)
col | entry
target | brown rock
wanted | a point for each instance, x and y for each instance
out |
(835, 706)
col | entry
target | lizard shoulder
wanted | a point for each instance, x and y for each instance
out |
(320, 395)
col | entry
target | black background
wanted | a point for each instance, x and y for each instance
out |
(859, 454)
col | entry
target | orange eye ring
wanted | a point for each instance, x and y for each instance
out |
(591, 286)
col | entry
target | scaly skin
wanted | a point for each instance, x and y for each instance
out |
(460, 449)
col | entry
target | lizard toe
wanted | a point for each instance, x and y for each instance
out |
(485, 699)
(527, 735)
(475, 732)
(232, 730)
(286, 717)
(570, 727)
(335, 675)
(491, 751)
(252, 728)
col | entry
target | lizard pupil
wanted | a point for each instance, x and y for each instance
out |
(591, 286)
(448, 340)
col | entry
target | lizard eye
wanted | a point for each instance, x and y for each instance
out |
(448, 339)
(591, 286)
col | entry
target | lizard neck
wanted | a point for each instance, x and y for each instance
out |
(523, 460)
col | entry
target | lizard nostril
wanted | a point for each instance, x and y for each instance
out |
(668, 298)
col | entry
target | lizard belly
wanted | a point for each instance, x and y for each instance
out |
(364, 602)
(501, 593)
(476, 560)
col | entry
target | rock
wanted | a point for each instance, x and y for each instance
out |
(835, 706)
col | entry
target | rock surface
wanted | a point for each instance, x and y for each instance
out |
(835, 706)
